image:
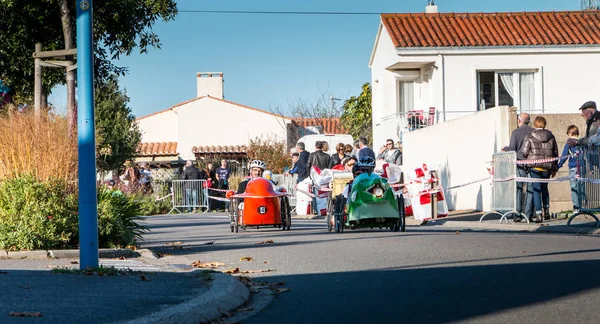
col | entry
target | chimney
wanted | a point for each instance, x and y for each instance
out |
(431, 7)
(210, 83)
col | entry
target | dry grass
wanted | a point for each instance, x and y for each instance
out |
(41, 148)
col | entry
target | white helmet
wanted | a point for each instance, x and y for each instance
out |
(258, 164)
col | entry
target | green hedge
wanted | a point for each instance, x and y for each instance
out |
(38, 215)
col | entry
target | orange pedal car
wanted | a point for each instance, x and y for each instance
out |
(260, 205)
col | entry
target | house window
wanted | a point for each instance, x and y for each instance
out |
(406, 96)
(506, 89)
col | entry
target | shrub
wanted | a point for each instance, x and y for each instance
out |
(37, 214)
(272, 151)
(117, 218)
(41, 148)
(150, 206)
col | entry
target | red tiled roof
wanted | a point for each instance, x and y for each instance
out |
(330, 125)
(157, 149)
(219, 149)
(493, 29)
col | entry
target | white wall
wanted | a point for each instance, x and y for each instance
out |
(563, 81)
(213, 122)
(564, 77)
(161, 127)
(461, 147)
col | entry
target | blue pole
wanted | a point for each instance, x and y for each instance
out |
(88, 213)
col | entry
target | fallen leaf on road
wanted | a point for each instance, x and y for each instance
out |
(74, 262)
(265, 262)
(232, 270)
(122, 258)
(174, 243)
(266, 242)
(209, 243)
(246, 259)
(88, 273)
(212, 265)
(144, 278)
(19, 314)
(247, 309)
(281, 290)
(457, 232)
(257, 271)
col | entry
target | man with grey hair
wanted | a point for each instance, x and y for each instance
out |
(591, 115)
(516, 142)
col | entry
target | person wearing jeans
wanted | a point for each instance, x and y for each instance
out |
(517, 137)
(540, 144)
(568, 152)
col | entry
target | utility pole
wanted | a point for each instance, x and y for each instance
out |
(37, 87)
(86, 141)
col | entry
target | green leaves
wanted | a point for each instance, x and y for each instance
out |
(118, 134)
(357, 115)
(120, 26)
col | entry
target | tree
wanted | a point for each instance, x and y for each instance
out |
(270, 150)
(118, 134)
(357, 115)
(120, 26)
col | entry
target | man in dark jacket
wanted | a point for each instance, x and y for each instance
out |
(191, 172)
(516, 142)
(302, 162)
(591, 114)
(318, 158)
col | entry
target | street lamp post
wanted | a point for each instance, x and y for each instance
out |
(86, 141)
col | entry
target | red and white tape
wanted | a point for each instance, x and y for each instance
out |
(521, 162)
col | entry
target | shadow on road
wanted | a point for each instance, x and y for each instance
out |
(436, 295)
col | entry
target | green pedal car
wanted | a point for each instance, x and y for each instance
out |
(371, 203)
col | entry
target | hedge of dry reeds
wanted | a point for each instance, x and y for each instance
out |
(41, 147)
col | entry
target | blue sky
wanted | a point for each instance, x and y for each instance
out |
(269, 61)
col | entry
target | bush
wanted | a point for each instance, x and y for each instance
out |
(272, 151)
(41, 215)
(42, 147)
(150, 206)
(37, 215)
(117, 219)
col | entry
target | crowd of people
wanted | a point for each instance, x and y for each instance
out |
(538, 145)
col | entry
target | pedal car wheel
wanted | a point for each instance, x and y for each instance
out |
(401, 225)
(288, 213)
(339, 214)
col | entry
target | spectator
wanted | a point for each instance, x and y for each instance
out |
(318, 158)
(349, 163)
(356, 148)
(338, 156)
(516, 142)
(302, 162)
(540, 144)
(591, 115)
(570, 150)
(364, 150)
(390, 154)
(325, 146)
(191, 188)
(294, 168)
(348, 149)
(222, 173)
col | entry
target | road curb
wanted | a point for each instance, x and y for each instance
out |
(522, 227)
(226, 293)
(67, 254)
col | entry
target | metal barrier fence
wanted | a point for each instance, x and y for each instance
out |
(588, 184)
(289, 183)
(189, 194)
(504, 186)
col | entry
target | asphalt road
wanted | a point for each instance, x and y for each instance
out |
(425, 275)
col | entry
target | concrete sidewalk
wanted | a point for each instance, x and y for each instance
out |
(47, 291)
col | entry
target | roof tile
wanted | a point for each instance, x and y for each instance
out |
(494, 29)
(157, 149)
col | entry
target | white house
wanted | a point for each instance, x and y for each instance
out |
(432, 67)
(209, 126)
(206, 123)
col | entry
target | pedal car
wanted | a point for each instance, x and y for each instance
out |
(371, 203)
(262, 205)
